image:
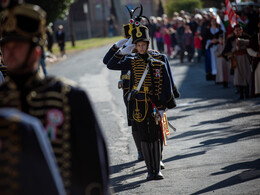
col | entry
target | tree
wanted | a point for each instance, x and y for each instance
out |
(55, 9)
(186, 5)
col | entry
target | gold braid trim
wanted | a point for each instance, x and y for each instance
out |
(9, 158)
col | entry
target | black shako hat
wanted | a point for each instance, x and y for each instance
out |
(140, 33)
(23, 22)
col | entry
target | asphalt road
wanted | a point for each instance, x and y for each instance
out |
(215, 150)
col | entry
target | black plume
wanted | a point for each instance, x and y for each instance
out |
(131, 12)
(139, 18)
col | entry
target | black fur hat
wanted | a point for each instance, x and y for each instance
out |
(23, 22)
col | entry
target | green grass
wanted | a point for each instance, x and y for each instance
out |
(86, 44)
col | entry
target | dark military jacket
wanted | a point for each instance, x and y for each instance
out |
(27, 165)
(70, 123)
(162, 57)
(124, 73)
(156, 87)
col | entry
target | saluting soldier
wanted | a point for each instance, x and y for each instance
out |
(125, 75)
(150, 91)
(27, 165)
(64, 109)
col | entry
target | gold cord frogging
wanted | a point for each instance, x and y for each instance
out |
(137, 116)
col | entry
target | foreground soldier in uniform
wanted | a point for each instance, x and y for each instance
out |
(27, 165)
(150, 92)
(64, 110)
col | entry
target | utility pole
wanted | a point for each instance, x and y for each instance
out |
(85, 9)
(71, 28)
(104, 20)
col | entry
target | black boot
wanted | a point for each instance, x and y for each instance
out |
(146, 149)
(162, 165)
(137, 144)
(157, 160)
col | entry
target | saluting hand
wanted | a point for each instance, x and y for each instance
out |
(121, 43)
(128, 48)
(129, 42)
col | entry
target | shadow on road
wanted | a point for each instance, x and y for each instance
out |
(228, 118)
(118, 182)
(230, 139)
(201, 133)
(178, 157)
(252, 173)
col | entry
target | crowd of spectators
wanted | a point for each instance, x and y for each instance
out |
(203, 35)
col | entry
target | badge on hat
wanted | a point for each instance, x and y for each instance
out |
(54, 119)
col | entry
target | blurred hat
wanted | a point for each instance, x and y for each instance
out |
(198, 16)
(24, 22)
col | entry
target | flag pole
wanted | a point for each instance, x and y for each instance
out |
(236, 10)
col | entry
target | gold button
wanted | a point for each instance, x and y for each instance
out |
(33, 94)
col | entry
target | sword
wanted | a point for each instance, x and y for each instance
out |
(173, 128)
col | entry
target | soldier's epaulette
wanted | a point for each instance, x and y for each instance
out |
(157, 62)
(153, 52)
(158, 56)
(65, 81)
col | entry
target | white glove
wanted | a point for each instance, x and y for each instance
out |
(127, 50)
(129, 42)
(120, 43)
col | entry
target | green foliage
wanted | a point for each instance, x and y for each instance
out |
(55, 9)
(86, 44)
(186, 5)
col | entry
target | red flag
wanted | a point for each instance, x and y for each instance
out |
(232, 16)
